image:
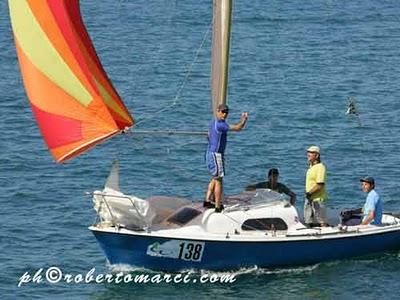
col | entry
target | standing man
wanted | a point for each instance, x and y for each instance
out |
(273, 184)
(217, 138)
(314, 206)
(372, 210)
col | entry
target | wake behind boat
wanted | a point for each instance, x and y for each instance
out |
(256, 229)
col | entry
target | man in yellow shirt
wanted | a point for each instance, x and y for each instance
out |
(314, 206)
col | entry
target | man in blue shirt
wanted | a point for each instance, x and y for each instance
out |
(371, 213)
(217, 138)
(372, 210)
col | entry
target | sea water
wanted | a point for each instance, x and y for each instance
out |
(294, 64)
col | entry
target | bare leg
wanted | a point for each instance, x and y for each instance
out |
(211, 190)
(218, 192)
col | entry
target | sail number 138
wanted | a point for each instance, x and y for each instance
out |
(191, 251)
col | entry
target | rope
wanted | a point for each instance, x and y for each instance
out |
(169, 132)
(183, 84)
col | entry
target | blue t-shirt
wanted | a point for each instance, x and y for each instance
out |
(217, 136)
(373, 202)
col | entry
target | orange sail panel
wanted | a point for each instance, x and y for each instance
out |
(74, 102)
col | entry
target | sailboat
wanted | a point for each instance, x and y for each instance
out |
(77, 107)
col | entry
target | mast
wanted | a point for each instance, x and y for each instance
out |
(222, 16)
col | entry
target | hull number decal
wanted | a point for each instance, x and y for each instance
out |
(191, 251)
(178, 249)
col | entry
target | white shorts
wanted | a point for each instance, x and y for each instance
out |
(215, 164)
(315, 212)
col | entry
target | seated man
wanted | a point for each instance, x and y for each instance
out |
(371, 213)
(273, 185)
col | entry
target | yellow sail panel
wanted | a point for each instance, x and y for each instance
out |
(83, 47)
(41, 52)
(110, 101)
(45, 17)
(73, 100)
(36, 89)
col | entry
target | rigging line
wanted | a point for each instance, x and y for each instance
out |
(184, 81)
(129, 132)
(169, 132)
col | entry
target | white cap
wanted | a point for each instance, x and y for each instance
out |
(313, 149)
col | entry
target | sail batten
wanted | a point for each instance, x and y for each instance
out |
(72, 98)
(222, 15)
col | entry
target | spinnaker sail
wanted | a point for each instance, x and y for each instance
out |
(74, 102)
(222, 16)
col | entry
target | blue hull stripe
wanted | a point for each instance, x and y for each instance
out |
(229, 255)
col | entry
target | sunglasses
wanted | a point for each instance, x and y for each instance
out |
(224, 111)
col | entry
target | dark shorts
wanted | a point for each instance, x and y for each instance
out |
(352, 220)
(215, 164)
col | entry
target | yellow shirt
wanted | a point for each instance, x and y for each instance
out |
(317, 174)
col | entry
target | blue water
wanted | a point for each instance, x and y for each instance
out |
(293, 66)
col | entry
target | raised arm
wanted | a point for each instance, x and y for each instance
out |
(239, 126)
